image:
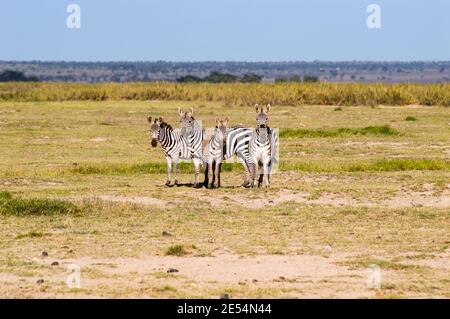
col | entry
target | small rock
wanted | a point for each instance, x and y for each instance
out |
(170, 270)
(44, 254)
(40, 281)
(254, 280)
(166, 233)
(55, 263)
(65, 247)
(282, 278)
(225, 296)
(271, 201)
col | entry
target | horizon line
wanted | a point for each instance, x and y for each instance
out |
(226, 61)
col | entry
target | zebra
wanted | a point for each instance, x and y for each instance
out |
(213, 154)
(237, 143)
(262, 147)
(193, 132)
(174, 145)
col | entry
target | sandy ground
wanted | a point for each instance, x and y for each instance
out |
(426, 198)
(298, 276)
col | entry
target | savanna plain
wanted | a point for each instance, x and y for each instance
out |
(355, 186)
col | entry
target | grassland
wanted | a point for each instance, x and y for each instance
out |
(244, 94)
(356, 186)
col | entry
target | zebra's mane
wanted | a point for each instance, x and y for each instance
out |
(166, 125)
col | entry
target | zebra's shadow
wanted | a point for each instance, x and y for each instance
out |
(191, 185)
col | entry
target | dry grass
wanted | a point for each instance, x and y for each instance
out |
(235, 94)
(340, 202)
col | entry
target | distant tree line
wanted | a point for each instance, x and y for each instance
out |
(218, 77)
(354, 71)
(16, 76)
(296, 78)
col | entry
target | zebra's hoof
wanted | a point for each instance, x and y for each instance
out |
(245, 184)
(176, 183)
(167, 183)
(198, 185)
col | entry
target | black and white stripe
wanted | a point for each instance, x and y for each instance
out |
(263, 151)
(174, 145)
(213, 154)
(237, 143)
(193, 133)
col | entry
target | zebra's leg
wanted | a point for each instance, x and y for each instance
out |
(267, 173)
(216, 183)
(211, 174)
(205, 172)
(169, 169)
(246, 182)
(175, 166)
(220, 172)
(261, 174)
(196, 171)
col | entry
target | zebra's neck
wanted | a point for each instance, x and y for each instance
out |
(166, 137)
(217, 142)
(197, 133)
(262, 134)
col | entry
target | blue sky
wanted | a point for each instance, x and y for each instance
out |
(224, 30)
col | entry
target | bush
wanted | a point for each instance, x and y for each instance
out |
(19, 206)
(176, 250)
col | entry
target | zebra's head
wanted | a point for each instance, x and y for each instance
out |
(262, 116)
(221, 129)
(155, 128)
(187, 122)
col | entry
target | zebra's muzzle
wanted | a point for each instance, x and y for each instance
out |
(154, 142)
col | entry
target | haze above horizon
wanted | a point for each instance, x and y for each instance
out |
(226, 31)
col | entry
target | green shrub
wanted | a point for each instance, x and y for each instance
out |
(19, 206)
(343, 131)
(176, 250)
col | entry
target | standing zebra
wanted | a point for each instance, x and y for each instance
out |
(237, 143)
(213, 154)
(174, 145)
(193, 132)
(262, 147)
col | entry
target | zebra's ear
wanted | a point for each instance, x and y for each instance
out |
(180, 112)
(161, 119)
(257, 108)
(268, 108)
(217, 121)
(192, 111)
(227, 119)
(149, 119)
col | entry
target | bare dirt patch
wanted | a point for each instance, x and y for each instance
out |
(401, 199)
(300, 275)
(139, 200)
